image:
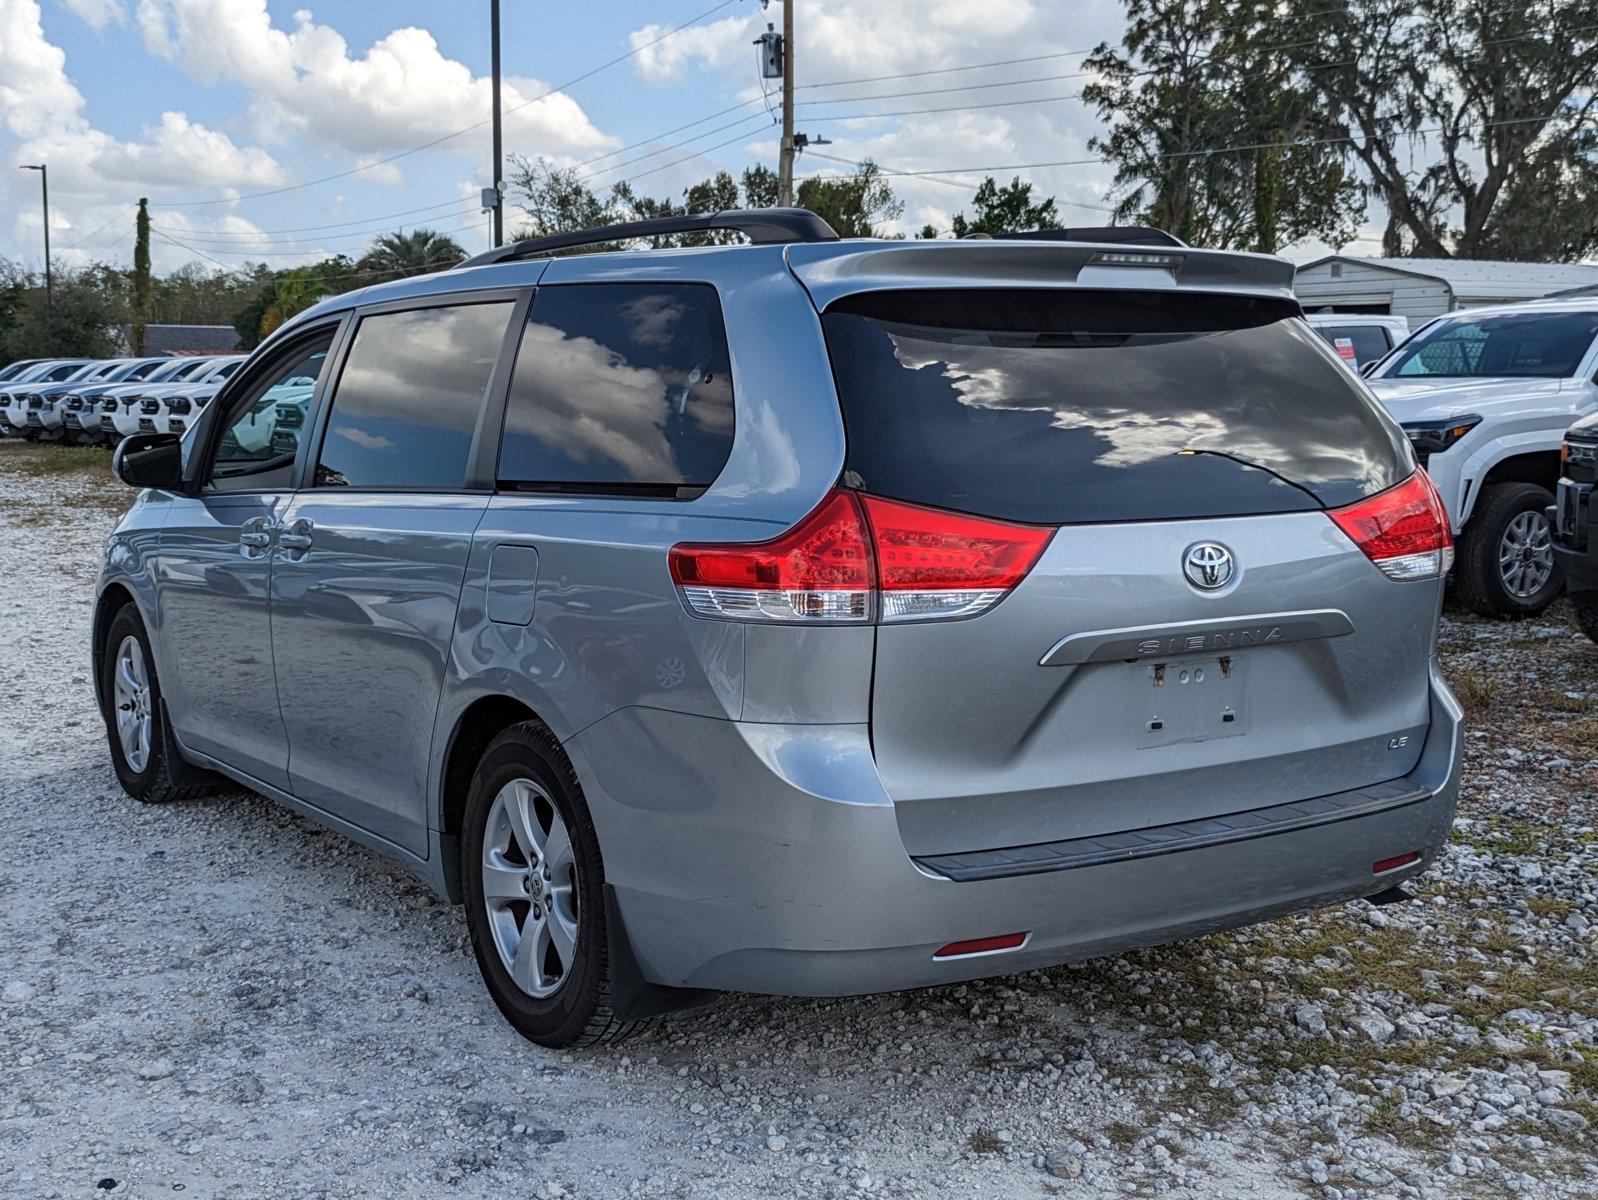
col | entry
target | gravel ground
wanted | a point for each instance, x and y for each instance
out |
(221, 999)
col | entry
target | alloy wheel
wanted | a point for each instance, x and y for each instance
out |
(1526, 555)
(131, 695)
(530, 888)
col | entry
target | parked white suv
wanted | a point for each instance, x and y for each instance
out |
(1485, 396)
(138, 409)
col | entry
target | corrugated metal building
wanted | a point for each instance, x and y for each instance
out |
(1423, 288)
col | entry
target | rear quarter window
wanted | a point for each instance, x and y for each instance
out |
(620, 387)
(1065, 407)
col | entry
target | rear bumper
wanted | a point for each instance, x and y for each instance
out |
(766, 858)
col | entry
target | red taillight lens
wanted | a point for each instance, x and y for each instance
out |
(1403, 530)
(927, 549)
(920, 563)
(821, 569)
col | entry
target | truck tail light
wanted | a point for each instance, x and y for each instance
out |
(1403, 530)
(855, 557)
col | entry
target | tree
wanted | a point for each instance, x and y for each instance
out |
(83, 321)
(1466, 116)
(1006, 210)
(141, 274)
(1198, 98)
(400, 255)
(559, 200)
(286, 293)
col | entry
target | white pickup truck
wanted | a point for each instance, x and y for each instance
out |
(1485, 396)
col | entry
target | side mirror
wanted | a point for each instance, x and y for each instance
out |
(150, 460)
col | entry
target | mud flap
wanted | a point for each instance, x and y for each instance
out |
(632, 997)
(180, 770)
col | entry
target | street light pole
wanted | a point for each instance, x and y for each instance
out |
(49, 283)
(499, 186)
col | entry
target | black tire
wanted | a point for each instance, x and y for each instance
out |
(1586, 606)
(579, 1012)
(1477, 574)
(155, 782)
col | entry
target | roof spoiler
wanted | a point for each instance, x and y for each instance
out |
(763, 226)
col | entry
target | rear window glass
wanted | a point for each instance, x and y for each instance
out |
(1057, 407)
(1543, 345)
(623, 387)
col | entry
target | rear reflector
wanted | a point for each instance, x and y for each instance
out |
(987, 945)
(915, 563)
(1392, 864)
(1403, 530)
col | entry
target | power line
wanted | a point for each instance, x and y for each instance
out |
(952, 182)
(1199, 153)
(205, 237)
(89, 238)
(678, 145)
(377, 217)
(636, 50)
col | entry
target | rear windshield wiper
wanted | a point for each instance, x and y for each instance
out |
(1271, 471)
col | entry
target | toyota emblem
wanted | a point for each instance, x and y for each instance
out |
(1208, 566)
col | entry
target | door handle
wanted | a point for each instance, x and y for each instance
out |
(295, 537)
(255, 534)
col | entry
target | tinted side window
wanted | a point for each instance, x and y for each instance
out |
(409, 396)
(620, 386)
(261, 428)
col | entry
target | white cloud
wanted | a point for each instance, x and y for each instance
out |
(94, 176)
(402, 92)
(97, 13)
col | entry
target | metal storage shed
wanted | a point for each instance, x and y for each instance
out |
(1423, 288)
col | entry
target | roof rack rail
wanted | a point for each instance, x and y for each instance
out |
(763, 226)
(1131, 235)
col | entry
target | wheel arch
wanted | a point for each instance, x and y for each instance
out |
(478, 724)
(113, 598)
(1540, 467)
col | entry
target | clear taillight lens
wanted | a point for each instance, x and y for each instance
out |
(855, 556)
(1403, 530)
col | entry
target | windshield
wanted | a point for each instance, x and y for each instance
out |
(1067, 407)
(1542, 345)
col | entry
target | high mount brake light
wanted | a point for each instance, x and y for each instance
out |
(858, 556)
(1403, 530)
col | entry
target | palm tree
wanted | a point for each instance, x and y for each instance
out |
(397, 255)
(293, 292)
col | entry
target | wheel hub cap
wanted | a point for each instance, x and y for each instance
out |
(530, 887)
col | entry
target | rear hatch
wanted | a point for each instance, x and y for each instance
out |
(1198, 637)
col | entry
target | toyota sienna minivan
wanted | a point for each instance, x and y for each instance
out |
(806, 617)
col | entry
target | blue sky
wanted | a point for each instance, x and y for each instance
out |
(216, 100)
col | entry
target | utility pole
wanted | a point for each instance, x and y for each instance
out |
(785, 163)
(499, 172)
(49, 282)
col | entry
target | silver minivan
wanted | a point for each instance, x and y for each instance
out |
(807, 617)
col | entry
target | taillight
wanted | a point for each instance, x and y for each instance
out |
(855, 554)
(1403, 530)
(932, 563)
(820, 570)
